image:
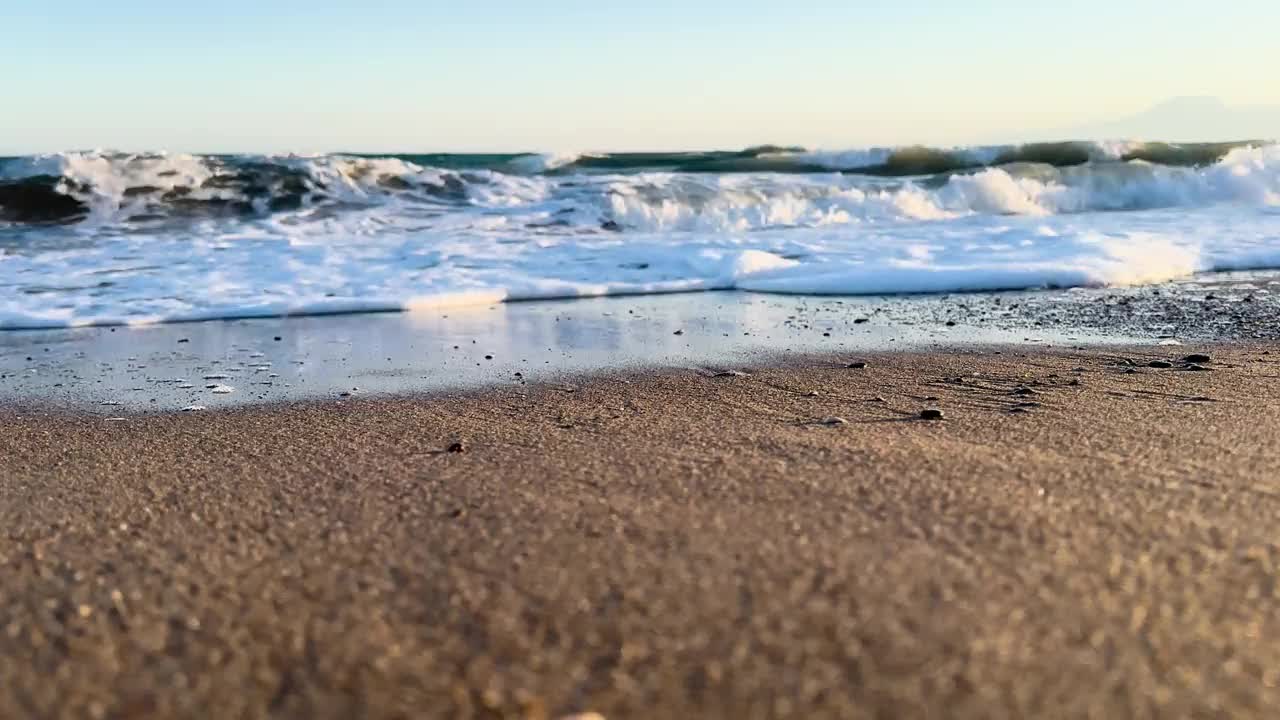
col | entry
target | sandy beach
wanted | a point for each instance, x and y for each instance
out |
(1081, 535)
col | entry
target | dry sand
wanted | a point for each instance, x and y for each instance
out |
(665, 545)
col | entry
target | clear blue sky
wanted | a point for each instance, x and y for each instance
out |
(274, 75)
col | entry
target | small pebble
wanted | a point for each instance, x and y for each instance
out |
(457, 447)
(1197, 358)
(834, 420)
(856, 365)
(678, 332)
(1159, 364)
(931, 414)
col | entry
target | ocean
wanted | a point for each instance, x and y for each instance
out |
(105, 238)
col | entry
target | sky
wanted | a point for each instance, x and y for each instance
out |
(562, 75)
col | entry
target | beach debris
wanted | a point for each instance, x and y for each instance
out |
(193, 408)
(856, 365)
(221, 389)
(1197, 358)
(833, 420)
(728, 373)
(931, 414)
(1160, 364)
(457, 447)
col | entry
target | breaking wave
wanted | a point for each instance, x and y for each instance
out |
(99, 237)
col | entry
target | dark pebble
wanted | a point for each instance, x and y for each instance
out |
(1193, 367)
(1159, 364)
(277, 338)
(859, 321)
(1025, 391)
(856, 365)
(457, 447)
(488, 357)
(678, 332)
(951, 323)
(931, 414)
(1197, 358)
(184, 340)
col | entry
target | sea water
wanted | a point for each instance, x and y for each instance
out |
(115, 238)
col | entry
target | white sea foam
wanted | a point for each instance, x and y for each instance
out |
(386, 234)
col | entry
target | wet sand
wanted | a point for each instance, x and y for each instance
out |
(1082, 535)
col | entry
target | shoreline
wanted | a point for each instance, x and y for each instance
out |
(666, 543)
(172, 366)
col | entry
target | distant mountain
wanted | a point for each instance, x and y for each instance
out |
(1188, 119)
